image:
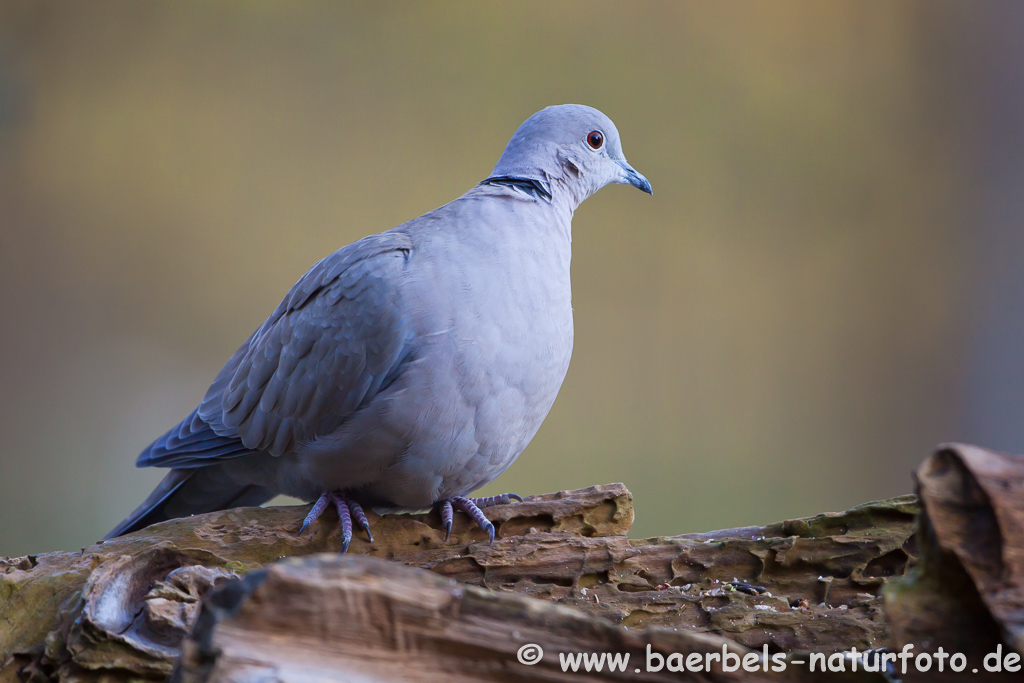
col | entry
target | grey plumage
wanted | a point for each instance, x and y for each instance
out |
(410, 366)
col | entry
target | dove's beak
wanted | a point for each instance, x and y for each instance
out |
(630, 176)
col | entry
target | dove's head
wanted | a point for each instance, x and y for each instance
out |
(571, 148)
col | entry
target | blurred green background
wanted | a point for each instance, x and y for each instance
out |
(789, 326)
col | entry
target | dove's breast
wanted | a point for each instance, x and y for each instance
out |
(494, 333)
(487, 295)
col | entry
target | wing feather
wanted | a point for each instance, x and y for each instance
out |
(335, 340)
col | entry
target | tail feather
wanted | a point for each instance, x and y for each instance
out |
(190, 492)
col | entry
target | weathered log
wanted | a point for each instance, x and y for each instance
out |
(120, 609)
(355, 618)
(966, 594)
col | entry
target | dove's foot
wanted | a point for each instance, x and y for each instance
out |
(471, 506)
(348, 510)
(499, 499)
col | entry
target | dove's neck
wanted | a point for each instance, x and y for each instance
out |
(553, 206)
(560, 183)
(564, 194)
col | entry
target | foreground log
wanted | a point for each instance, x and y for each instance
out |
(122, 608)
(356, 618)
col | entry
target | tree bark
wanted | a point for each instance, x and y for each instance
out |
(239, 595)
(121, 609)
(967, 592)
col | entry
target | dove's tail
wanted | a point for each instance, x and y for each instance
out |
(190, 492)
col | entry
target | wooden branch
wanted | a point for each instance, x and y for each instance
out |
(121, 609)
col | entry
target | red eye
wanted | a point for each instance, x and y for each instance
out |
(595, 139)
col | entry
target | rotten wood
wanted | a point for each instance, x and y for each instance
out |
(966, 594)
(121, 608)
(354, 618)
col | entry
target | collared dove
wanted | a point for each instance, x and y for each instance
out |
(411, 367)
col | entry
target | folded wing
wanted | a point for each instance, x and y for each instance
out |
(338, 338)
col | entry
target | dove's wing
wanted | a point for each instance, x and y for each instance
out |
(338, 338)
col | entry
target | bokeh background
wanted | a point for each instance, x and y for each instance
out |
(826, 284)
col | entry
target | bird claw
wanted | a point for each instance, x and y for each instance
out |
(446, 519)
(347, 510)
(350, 511)
(360, 517)
(318, 509)
(471, 506)
(489, 528)
(500, 499)
(345, 516)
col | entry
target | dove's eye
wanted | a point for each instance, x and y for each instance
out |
(595, 139)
